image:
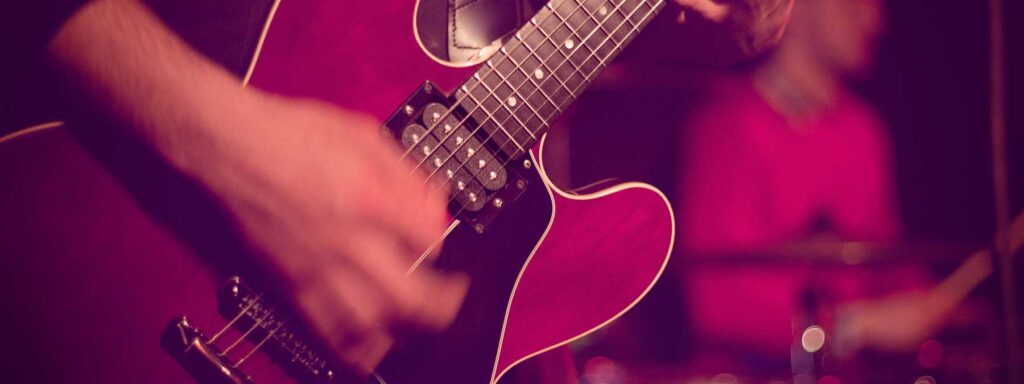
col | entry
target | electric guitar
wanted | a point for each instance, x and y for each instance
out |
(117, 269)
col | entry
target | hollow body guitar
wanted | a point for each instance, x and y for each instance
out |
(104, 248)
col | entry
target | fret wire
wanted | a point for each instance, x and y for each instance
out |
(574, 33)
(502, 105)
(458, 101)
(595, 52)
(636, 27)
(631, 23)
(608, 37)
(602, 60)
(556, 50)
(489, 114)
(468, 91)
(530, 78)
(551, 73)
(516, 91)
(543, 62)
(433, 127)
(590, 17)
(611, 35)
(600, 24)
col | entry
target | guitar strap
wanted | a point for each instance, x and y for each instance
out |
(455, 30)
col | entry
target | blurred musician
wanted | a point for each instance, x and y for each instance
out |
(781, 155)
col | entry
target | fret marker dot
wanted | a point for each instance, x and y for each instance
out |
(539, 74)
(512, 101)
(602, 11)
(569, 44)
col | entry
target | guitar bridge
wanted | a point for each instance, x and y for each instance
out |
(260, 324)
(205, 362)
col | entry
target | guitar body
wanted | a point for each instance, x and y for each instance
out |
(102, 246)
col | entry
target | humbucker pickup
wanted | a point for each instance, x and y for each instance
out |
(445, 143)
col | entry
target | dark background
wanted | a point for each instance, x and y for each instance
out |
(930, 83)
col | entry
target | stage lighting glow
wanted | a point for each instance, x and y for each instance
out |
(813, 338)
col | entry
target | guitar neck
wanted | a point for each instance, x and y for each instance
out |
(546, 65)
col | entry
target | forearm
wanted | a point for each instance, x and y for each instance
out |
(120, 53)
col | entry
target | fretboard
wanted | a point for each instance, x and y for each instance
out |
(545, 66)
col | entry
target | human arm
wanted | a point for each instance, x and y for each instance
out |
(316, 189)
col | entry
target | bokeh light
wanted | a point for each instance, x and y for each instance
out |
(813, 338)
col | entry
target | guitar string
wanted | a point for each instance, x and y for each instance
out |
(237, 317)
(448, 113)
(572, 94)
(245, 335)
(602, 63)
(271, 311)
(247, 308)
(543, 61)
(533, 52)
(602, 60)
(585, 82)
(280, 324)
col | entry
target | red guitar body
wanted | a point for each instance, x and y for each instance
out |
(102, 246)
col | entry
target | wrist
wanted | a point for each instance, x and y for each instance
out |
(212, 130)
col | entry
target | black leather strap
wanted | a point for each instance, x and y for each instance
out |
(455, 30)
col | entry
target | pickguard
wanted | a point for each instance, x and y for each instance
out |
(466, 351)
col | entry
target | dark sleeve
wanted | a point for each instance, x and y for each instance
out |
(26, 80)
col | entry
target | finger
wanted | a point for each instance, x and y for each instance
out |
(423, 299)
(367, 355)
(395, 193)
(342, 307)
(416, 211)
(714, 11)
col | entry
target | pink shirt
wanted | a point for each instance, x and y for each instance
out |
(751, 179)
